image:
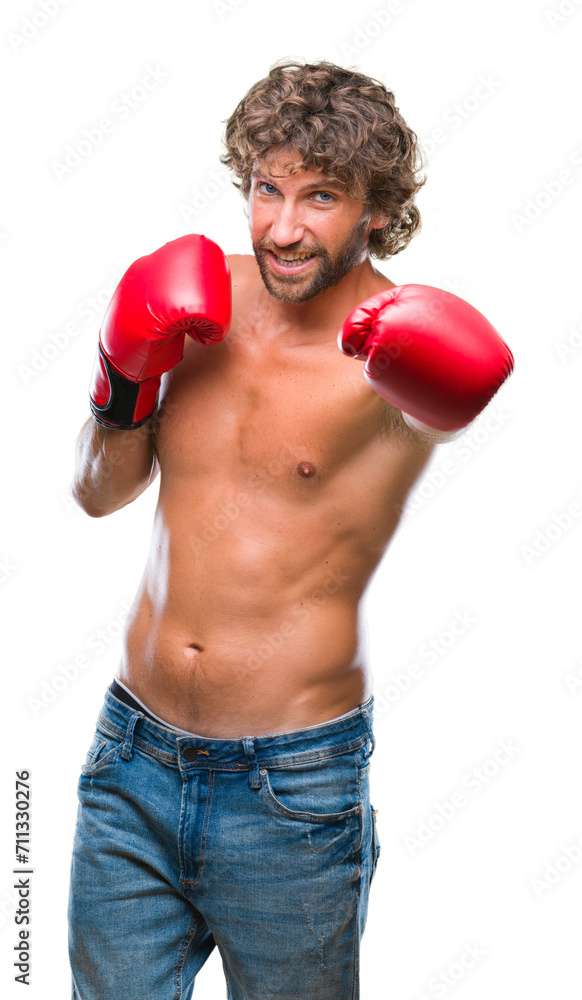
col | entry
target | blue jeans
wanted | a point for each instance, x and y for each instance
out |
(262, 846)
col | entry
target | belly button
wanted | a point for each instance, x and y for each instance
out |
(306, 469)
(195, 647)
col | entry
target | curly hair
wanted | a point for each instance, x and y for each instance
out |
(342, 123)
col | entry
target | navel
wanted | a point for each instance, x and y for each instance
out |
(306, 469)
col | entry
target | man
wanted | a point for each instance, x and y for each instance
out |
(225, 796)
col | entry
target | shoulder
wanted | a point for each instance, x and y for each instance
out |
(244, 276)
(381, 282)
(242, 265)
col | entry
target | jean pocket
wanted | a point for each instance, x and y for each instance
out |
(104, 749)
(318, 791)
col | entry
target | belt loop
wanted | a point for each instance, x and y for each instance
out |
(126, 751)
(368, 713)
(249, 749)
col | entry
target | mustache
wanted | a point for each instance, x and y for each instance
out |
(277, 250)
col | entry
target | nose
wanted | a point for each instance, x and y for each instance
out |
(286, 228)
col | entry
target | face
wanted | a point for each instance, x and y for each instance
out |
(307, 232)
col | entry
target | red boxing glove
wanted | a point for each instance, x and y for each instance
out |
(429, 353)
(183, 287)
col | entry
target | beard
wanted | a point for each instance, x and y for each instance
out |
(328, 270)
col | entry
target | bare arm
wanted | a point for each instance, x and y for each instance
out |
(113, 467)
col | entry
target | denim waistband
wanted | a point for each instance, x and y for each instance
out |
(137, 730)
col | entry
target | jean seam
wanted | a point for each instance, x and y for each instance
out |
(110, 756)
(203, 836)
(361, 773)
(113, 731)
(182, 957)
(307, 816)
(356, 951)
(375, 842)
(282, 760)
(310, 755)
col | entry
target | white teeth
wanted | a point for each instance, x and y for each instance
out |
(293, 258)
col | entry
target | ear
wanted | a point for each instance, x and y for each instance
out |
(379, 221)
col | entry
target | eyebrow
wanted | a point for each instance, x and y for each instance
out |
(326, 182)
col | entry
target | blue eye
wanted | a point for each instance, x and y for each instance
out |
(266, 184)
(325, 193)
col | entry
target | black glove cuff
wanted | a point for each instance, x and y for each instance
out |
(119, 410)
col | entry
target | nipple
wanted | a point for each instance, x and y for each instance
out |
(306, 469)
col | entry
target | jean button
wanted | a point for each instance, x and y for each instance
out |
(190, 753)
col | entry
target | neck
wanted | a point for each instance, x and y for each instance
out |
(290, 321)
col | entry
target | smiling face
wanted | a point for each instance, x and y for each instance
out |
(307, 231)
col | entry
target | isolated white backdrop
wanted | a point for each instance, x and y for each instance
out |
(493, 533)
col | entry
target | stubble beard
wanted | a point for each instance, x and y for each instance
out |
(328, 271)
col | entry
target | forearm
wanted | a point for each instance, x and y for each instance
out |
(112, 467)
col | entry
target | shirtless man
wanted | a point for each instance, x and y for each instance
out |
(225, 797)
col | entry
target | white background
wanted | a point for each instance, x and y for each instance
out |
(488, 537)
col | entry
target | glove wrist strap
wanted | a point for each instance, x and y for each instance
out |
(118, 402)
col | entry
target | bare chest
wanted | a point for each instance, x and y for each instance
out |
(301, 415)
